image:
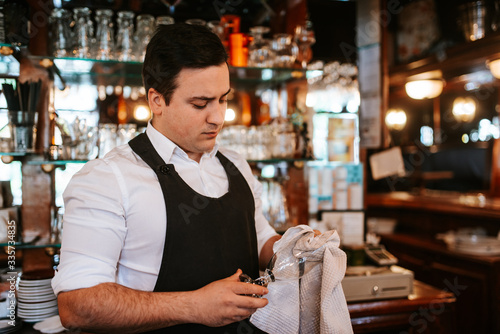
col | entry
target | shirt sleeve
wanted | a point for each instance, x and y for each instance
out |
(94, 228)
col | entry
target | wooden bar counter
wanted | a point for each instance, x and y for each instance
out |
(426, 310)
(474, 279)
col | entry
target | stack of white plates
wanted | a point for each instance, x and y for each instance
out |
(35, 299)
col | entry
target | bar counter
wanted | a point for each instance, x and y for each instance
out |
(474, 278)
(427, 310)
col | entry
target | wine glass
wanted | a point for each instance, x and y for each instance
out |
(304, 37)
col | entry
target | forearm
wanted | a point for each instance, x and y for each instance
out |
(109, 308)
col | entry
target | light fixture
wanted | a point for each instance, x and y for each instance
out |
(464, 109)
(395, 119)
(230, 115)
(424, 89)
(494, 66)
(142, 113)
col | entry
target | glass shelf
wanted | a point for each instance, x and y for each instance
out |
(14, 154)
(64, 162)
(20, 245)
(277, 161)
(56, 162)
(114, 72)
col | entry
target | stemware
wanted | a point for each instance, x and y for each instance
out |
(260, 53)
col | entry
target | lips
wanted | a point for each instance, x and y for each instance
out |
(211, 134)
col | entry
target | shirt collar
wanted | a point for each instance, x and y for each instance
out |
(167, 148)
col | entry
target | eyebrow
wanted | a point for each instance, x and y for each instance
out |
(206, 98)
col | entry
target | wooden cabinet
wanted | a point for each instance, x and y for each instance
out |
(473, 279)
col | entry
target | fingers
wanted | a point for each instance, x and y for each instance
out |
(249, 289)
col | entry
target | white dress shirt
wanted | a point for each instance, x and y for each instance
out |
(115, 216)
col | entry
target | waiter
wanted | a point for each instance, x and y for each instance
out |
(157, 232)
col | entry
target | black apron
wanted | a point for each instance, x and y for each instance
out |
(207, 239)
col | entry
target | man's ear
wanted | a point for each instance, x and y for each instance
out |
(156, 101)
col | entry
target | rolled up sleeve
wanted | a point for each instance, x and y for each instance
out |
(94, 228)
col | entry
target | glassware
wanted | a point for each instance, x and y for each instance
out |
(104, 36)
(286, 50)
(23, 130)
(126, 132)
(107, 138)
(164, 20)
(287, 264)
(60, 21)
(304, 37)
(216, 28)
(144, 32)
(125, 36)
(473, 17)
(198, 22)
(238, 50)
(83, 32)
(260, 53)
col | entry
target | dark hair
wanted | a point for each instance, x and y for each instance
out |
(175, 47)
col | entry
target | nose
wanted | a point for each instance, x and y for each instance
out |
(217, 114)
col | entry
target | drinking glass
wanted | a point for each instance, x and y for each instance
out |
(83, 32)
(60, 22)
(260, 53)
(286, 50)
(104, 37)
(23, 130)
(164, 20)
(216, 28)
(143, 34)
(125, 36)
(198, 22)
(126, 132)
(107, 138)
(304, 37)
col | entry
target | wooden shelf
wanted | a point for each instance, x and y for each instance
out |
(453, 62)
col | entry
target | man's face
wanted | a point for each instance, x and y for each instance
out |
(196, 111)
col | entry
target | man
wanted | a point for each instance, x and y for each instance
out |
(157, 232)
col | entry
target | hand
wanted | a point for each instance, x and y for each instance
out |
(223, 302)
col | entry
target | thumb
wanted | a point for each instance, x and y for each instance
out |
(236, 276)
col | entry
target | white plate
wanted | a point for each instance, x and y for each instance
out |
(36, 306)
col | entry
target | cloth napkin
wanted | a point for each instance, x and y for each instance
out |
(315, 304)
(50, 325)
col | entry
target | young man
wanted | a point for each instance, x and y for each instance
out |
(157, 232)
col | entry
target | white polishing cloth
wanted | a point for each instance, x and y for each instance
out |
(50, 325)
(316, 304)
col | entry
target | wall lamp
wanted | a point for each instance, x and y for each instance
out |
(494, 66)
(424, 89)
(464, 109)
(395, 119)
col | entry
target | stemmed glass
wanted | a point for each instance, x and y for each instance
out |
(304, 37)
(260, 53)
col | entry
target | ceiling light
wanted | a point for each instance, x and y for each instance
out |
(424, 89)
